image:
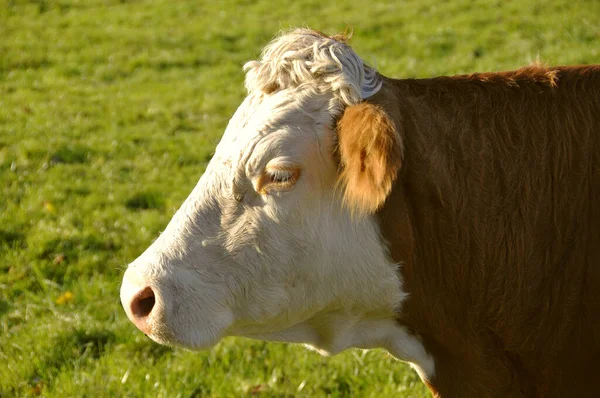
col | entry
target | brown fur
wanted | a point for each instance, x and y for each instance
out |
(495, 216)
(370, 152)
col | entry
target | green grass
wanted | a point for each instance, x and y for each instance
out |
(109, 112)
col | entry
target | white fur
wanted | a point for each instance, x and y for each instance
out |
(283, 265)
(304, 57)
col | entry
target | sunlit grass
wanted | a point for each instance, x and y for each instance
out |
(109, 112)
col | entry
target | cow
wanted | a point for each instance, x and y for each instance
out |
(452, 221)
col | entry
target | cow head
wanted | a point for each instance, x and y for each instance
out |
(278, 240)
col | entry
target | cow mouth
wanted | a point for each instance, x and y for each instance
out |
(197, 336)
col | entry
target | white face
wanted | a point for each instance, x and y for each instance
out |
(263, 247)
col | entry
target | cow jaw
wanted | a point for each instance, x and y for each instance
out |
(334, 332)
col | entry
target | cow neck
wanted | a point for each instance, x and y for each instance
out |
(475, 296)
(437, 285)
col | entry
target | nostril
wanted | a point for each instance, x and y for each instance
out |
(143, 302)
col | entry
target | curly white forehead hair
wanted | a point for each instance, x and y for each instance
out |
(312, 60)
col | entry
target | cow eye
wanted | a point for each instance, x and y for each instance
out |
(279, 179)
(280, 175)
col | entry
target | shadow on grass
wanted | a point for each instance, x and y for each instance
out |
(68, 350)
(11, 240)
(145, 201)
(57, 254)
(4, 308)
(71, 154)
(90, 343)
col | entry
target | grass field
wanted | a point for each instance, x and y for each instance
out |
(109, 111)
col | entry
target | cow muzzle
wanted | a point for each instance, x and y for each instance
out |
(140, 302)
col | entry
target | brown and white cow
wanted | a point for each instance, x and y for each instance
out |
(453, 221)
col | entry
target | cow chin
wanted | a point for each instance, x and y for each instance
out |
(186, 335)
(189, 333)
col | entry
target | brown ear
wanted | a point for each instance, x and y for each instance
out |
(370, 151)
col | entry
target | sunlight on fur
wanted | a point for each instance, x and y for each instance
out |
(307, 58)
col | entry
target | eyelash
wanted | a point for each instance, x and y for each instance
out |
(278, 176)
